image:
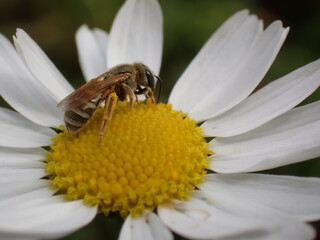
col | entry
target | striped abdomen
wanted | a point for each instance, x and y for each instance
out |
(75, 119)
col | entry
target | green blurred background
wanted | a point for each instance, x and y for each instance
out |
(187, 25)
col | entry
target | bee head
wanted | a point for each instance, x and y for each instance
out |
(150, 79)
(147, 81)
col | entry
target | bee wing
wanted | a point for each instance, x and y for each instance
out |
(89, 91)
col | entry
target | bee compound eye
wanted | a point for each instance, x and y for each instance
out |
(151, 80)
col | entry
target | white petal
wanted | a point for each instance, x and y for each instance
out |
(290, 138)
(267, 103)
(197, 77)
(45, 218)
(41, 66)
(136, 35)
(102, 38)
(281, 226)
(91, 51)
(146, 227)
(17, 131)
(21, 157)
(245, 76)
(228, 67)
(294, 231)
(16, 176)
(17, 188)
(20, 89)
(198, 219)
(296, 196)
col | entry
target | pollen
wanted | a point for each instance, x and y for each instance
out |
(148, 155)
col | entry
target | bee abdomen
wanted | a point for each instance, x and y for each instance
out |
(75, 119)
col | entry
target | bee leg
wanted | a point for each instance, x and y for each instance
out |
(147, 92)
(130, 93)
(136, 98)
(109, 107)
(149, 96)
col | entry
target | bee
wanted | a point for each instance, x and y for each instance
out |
(122, 82)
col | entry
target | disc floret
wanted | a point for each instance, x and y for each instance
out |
(149, 154)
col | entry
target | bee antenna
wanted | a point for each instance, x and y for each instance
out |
(160, 88)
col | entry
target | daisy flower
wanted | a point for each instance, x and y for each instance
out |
(154, 165)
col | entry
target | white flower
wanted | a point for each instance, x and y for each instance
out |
(252, 133)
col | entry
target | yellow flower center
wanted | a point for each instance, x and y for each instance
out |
(149, 154)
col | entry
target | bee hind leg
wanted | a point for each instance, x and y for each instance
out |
(109, 107)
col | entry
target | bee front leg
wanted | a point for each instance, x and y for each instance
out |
(147, 92)
(109, 107)
(149, 95)
(128, 92)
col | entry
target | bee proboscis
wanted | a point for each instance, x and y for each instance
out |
(122, 82)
